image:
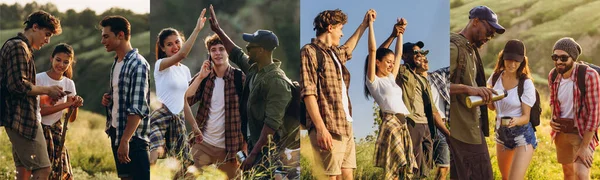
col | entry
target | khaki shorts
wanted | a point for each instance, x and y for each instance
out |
(31, 154)
(567, 145)
(342, 156)
(205, 154)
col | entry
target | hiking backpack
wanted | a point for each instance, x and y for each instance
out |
(581, 71)
(536, 109)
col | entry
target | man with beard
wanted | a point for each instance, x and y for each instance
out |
(575, 111)
(266, 96)
(470, 156)
(424, 116)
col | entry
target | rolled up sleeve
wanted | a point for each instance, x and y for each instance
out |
(138, 93)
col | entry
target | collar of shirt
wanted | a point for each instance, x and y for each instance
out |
(130, 55)
(226, 75)
(24, 38)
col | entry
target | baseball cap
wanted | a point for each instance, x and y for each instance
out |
(514, 50)
(264, 38)
(408, 46)
(485, 13)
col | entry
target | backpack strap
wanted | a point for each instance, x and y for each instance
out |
(495, 77)
(581, 72)
(237, 80)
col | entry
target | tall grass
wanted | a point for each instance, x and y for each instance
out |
(543, 165)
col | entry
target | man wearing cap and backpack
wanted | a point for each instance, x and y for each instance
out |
(470, 156)
(424, 116)
(266, 98)
(575, 102)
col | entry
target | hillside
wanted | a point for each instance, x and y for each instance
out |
(538, 23)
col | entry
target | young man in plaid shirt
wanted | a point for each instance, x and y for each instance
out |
(575, 116)
(324, 81)
(127, 102)
(19, 112)
(218, 124)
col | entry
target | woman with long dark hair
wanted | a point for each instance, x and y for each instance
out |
(393, 149)
(59, 74)
(168, 134)
(515, 137)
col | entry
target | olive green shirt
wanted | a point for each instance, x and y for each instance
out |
(269, 95)
(465, 124)
(412, 89)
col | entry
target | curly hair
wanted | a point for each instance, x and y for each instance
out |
(329, 17)
(212, 40)
(43, 20)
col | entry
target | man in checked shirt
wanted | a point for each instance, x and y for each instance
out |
(575, 115)
(324, 81)
(127, 123)
(19, 105)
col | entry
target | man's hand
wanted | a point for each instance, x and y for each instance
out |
(485, 93)
(106, 99)
(123, 152)
(324, 139)
(371, 14)
(214, 24)
(554, 125)
(55, 92)
(198, 136)
(585, 155)
(247, 164)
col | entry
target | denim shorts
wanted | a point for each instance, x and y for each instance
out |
(441, 153)
(516, 136)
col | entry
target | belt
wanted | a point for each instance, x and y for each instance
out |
(567, 125)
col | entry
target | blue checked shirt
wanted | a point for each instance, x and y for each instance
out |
(440, 79)
(134, 96)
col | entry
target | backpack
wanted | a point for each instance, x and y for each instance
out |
(581, 84)
(580, 75)
(295, 113)
(536, 109)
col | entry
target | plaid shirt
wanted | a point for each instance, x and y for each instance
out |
(234, 139)
(133, 95)
(17, 77)
(326, 86)
(587, 119)
(440, 79)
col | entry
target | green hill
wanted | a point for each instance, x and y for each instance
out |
(538, 23)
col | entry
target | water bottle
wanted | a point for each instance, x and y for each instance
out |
(474, 101)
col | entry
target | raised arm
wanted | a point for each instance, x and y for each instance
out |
(399, 30)
(353, 40)
(214, 26)
(372, 51)
(187, 46)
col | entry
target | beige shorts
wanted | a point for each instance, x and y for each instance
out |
(206, 154)
(567, 145)
(31, 154)
(342, 156)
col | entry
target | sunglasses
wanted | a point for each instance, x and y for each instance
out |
(563, 58)
(489, 30)
(248, 48)
(422, 52)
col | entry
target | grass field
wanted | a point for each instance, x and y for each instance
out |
(543, 164)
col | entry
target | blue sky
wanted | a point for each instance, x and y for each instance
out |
(428, 21)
